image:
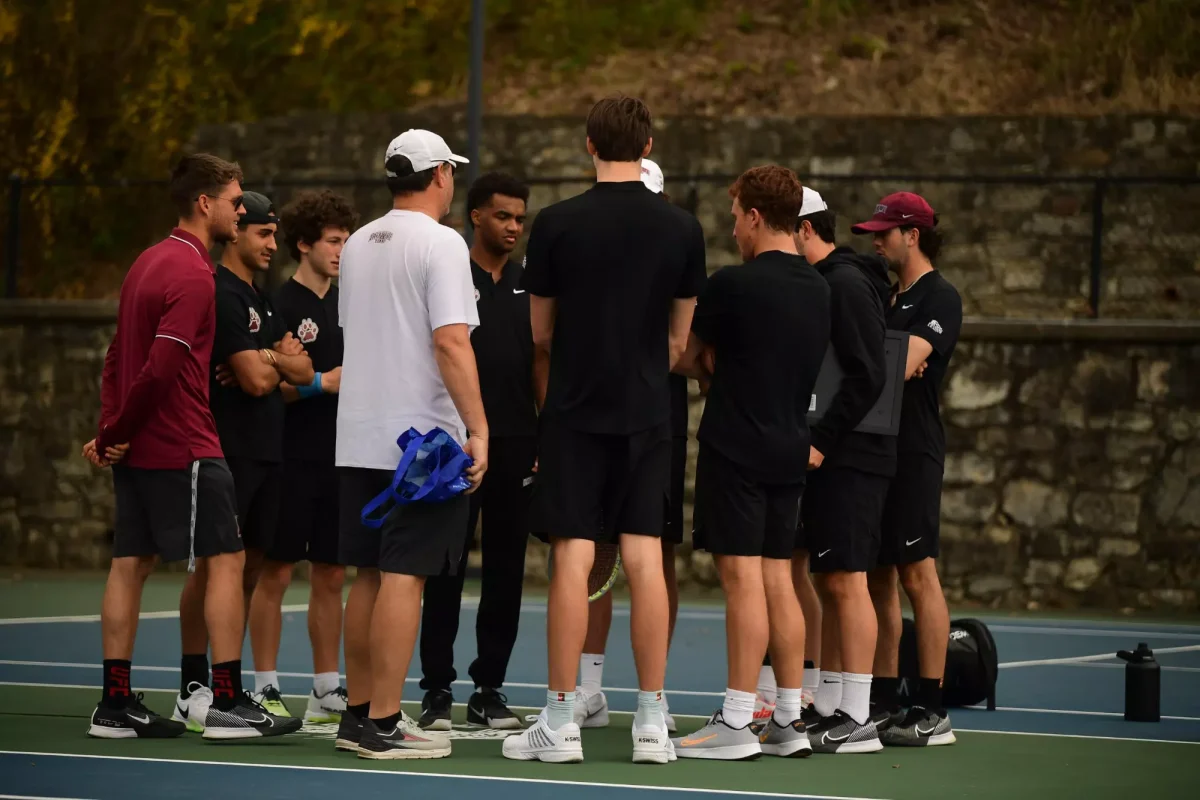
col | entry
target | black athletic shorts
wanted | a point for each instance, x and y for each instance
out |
(308, 515)
(840, 518)
(174, 513)
(738, 516)
(258, 486)
(424, 539)
(673, 524)
(912, 512)
(598, 486)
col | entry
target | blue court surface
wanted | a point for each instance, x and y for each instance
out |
(1060, 696)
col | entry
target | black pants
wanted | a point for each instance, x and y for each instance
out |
(504, 501)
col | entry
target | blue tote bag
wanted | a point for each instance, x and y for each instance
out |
(430, 470)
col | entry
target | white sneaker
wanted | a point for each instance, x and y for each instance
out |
(671, 727)
(763, 708)
(539, 743)
(327, 708)
(652, 745)
(591, 710)
(194, 710)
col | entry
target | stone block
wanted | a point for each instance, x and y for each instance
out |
(1031, 439)
(1140, 448)
(1143, 131)
(976, 386)
(1043, 389)
(973, 505)
(1154, 380)
(1035, 505)
(1169, 494)
(1082, 573)
(1119, 548)
(987, 586)
(969, 468)
(1042, 573)
(1107, 512)
(1188, 512)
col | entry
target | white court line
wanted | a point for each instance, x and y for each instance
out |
(1079, 736)
(96, 617)
(34, 797)
(1072, 712)
(398, 774)
(1043, 662)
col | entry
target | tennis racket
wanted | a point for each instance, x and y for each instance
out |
(605, 569)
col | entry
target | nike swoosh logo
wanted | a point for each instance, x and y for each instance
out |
(907, 306)
(914, 541)
(827, 738)
(694, 742)
(905, 216)
(926, 733)
(267, 720)
(518, 291)
(183, 712)
(823, 552)
(136, 718)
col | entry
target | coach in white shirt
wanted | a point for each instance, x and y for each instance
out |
(407, 309)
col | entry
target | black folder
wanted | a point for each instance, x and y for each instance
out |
(884, 416)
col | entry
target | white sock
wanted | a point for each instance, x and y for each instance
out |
(829, 696)
(766, 683)
(263, 679)
(787, 707)
(650, 709)
(324, 683)
(856, 696)
(812, 681)
(591, 669)
(560, 709)
(738, 709)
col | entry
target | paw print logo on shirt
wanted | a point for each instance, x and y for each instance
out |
(307, 331)
(255, 320)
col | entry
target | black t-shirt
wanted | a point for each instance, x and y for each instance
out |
(310, 430)
(679, 406)
(768, 321)
(249, 427)
(614, 258)
(930, 309)
(503, 345)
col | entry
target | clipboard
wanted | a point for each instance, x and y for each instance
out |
(884, 416)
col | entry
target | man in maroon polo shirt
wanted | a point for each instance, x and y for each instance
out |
(174, 493)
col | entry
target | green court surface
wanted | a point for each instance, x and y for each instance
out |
(1058, 732)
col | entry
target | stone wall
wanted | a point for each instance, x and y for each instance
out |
(1018, 244)
(1073, 474)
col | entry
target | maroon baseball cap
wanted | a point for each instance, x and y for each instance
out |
(901, 208)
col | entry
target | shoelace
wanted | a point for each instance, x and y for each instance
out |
(491, 697)
(247, 699)
(136, 704)
(341, 692)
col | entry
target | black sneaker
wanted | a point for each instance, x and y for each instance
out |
(349, 732)
(839, 733)
(435, 710)
(921, 727)
(247, 720)
(884, 717)
(489, 708)
(132, 721)
(811, 716)
(404, 740)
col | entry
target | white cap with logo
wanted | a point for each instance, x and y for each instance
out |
(652, 176)
(423, 149)
(812, 203)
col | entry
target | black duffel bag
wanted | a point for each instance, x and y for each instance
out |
(972, 664)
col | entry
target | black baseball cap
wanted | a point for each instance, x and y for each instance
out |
(259, 210)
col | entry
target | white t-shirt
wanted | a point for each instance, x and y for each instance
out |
(402, 276)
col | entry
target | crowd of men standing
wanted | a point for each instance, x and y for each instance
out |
(248, 431)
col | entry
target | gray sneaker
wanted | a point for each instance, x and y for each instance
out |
(789, 741)
(839, 733)
(405, 740)
(921, 728)
(718, 741)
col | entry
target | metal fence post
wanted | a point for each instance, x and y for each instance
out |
(1098, 190)
(13, 250)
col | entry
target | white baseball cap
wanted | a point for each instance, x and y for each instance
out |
(812, 203)
(652, 176)
(423, 149)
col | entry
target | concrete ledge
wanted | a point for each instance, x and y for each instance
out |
(974, 328)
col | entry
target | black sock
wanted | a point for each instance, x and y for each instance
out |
(885, 692)
(929, 696)
(809, 665)
(360, 711)
(388, 722)
(767, 659)
(192, 669)
(116, 683)
(226, 684)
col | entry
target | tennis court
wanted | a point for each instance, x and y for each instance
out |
(1059, 731)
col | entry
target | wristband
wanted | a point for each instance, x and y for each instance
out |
(313, 389)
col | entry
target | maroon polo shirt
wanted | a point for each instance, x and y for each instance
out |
(154, 393)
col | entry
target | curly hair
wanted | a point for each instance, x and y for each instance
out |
(774, 190)
(310, 213)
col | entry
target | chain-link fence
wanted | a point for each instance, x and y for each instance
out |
(1021, 247)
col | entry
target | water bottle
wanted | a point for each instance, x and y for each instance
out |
(1142, 677)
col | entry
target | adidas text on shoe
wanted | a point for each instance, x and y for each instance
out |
(327, 708)
(489, 709)
(405, 740)
(435, 710)
(193, 709)
(248, 719)
(788, 741)
(539, 743)
(717, 741)
(839, 733)
(133, 721)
